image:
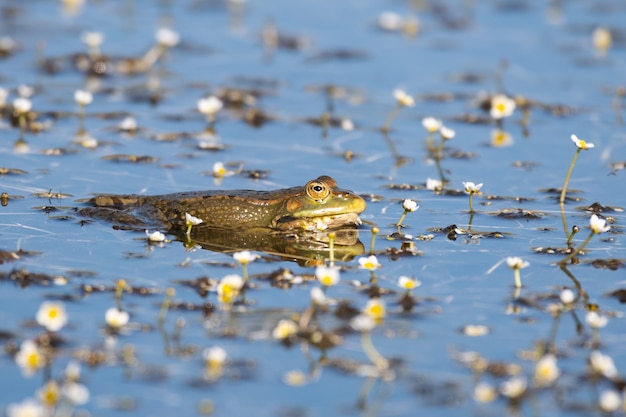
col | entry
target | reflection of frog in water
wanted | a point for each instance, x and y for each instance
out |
(270, 221)
(319, 205)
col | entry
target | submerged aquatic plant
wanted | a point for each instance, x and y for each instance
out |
(597, 226)
(580, 145)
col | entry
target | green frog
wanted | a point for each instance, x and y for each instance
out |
(318, 205)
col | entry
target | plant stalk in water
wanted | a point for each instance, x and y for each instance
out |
(580, 145)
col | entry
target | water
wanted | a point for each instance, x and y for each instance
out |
(524, 49)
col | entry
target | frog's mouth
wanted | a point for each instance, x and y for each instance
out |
(317, 223)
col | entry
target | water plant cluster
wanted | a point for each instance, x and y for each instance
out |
(202, 327)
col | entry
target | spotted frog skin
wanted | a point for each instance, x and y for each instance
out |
(318, 205)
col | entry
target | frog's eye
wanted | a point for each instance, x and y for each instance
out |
(317, 190)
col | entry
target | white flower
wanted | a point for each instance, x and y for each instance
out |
(155, 236)
(602, 364)
(515, 262)
(167, 37)
(229, 287)
(317, 296)
(546, 370)
(431, 124)
(327, 275)
(29, 357)
(433, 185)
(514, 387)
(347, 124)
(116, 318)
(76, 393)
(129, 124)
(567, 296)
(471, 188)
(408, 283)
(245, 257)
(3, 96)
(72, 370)
(598, 225)
(390, 21)
(210, 105)
(219, 170)
(581, 144)
(447, 133)
(601, 38)
(610, 400)
(362, 323)
(410, 205)
(27, 408)
(22, 105)
(24, 90)
(484, 392)
(83, 97)
(369, 262)
(403, 98)
(501, 106)
(50, 394)
(52, 316)
(191, 220)
(215, 356)
(595, 320)
(500, 138)
(475, 330)
(92, 39)
(285, 329)
(375, 308)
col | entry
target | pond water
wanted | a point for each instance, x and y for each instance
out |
(284, 55)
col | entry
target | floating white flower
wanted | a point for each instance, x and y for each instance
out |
(76, 393)
(327, 275)
(92, 39)
(598, 225)
(601, 39)
(167, 37)
(191, 220)
(431, 124)
(155, 236)
(408, 283)
(501, 106)
(475, 330)
(128, 124)
(403, 98)
(410, 205)
(581, 144)
(433, 185)
(602, 364)
(50, 394)
(567, 296)
(546, 370)
(215, 356)
(245, 257)
(285, 329)
(369, 262)
(471, 188)
(229, 287)
(51, 315)
(210, 106)
(27, 408)
(500, 138)
(83, 97)
(363, 323)
(22, 105)
(596, 320)
(515, 262)
(514, 387)
(318, 297)
(610, 400)
(219, 170)
(484, 392)
(30, 358)
(375, 308)
(116, 318)
(447, 133)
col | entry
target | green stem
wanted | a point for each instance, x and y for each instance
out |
(331, 248)
(371, 352)
(518, 280)
(375, 231)
(390, 118)
(577, 250)
(471, 202)
(244, 272)
(569, 174)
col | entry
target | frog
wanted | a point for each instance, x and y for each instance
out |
(318, 205)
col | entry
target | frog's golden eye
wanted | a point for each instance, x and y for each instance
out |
(317, 190)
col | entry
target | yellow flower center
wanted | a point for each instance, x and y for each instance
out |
(500, 107)
(376, 311)
(33, 360)
(53, 313)
(228, 294)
